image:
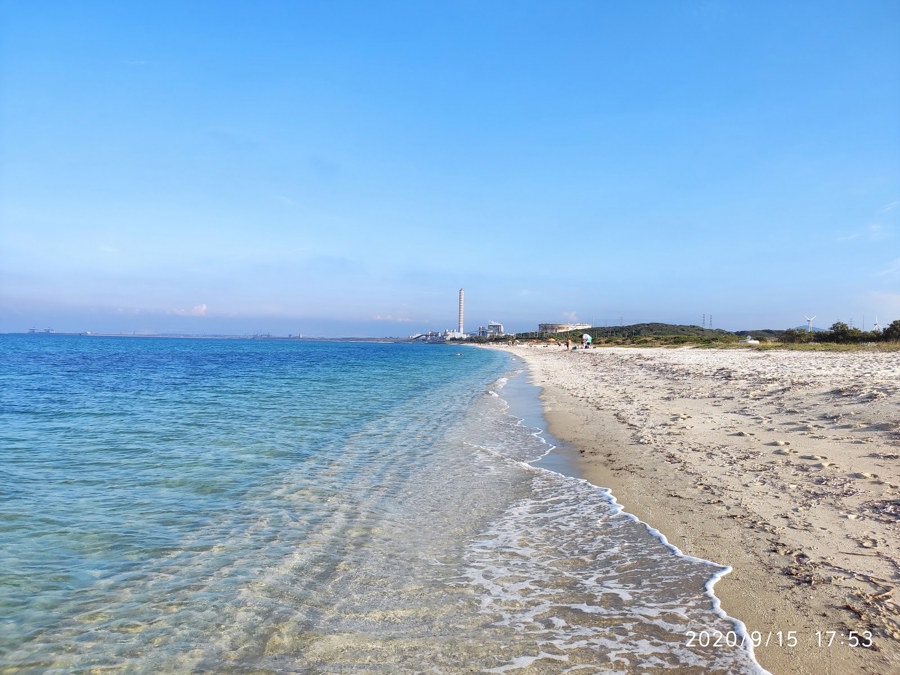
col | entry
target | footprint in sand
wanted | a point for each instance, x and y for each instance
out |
(863, 475)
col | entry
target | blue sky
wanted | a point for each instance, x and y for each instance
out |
(343, 168)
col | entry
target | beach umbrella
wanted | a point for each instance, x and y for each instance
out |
(587, 338)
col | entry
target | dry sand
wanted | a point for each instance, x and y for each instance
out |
(784, 465)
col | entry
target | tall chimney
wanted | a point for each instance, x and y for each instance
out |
(461, 303)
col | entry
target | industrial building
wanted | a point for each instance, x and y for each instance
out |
(552, 328)
(493, 329)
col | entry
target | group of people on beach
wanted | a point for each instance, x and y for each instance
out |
(585, 343)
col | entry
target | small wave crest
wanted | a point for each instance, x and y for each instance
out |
(581, 580)
(586, 581)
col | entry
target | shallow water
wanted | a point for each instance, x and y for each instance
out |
(275, 506)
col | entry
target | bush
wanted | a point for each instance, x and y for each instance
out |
(797, 336)
(892, 332)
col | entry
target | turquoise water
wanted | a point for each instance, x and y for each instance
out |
(198, 505)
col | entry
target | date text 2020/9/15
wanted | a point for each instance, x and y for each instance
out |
(781, 638)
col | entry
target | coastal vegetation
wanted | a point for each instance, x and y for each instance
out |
(841, 333)
(839, 336)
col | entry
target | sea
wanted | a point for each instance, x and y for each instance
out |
(284, 506)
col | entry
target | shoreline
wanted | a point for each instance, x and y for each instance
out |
(782, 465)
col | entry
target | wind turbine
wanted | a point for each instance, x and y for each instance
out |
(809, 321)
(876, 328)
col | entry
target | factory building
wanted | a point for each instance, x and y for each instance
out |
(493, 329)
(552, 328)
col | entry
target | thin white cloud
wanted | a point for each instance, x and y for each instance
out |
(391, 317)
(870, 233)
(893, 269)
(878, 232)
(850, 237)
(891, 206)
(196, 310)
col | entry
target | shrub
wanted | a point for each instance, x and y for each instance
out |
(892, 332)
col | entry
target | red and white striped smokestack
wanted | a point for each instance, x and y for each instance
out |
(461, 302)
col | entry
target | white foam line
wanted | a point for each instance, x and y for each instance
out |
(619, 510)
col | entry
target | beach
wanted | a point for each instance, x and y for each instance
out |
(783, 465)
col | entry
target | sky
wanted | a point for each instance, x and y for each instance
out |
(343, 168)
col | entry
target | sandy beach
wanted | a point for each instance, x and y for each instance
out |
(784, 465)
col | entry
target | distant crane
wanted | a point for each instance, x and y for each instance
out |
(809, 321)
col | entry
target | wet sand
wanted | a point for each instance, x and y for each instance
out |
(784, 465)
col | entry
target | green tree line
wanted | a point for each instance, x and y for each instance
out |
(841, 333)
